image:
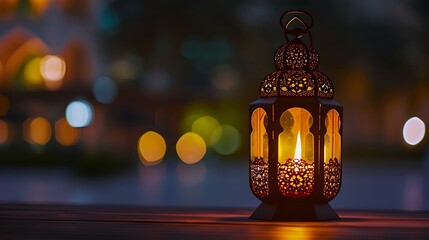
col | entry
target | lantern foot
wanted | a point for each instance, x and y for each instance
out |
(294, 212)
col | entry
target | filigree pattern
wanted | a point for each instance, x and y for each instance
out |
(296, 55)
(279, 58)
(332, 178)
(313, 58)
(269, 85)
(296, 178)
(306, 81)
(325, 87)
(259, 177)
(297, 83)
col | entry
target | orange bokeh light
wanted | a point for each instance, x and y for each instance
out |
(37, 131)
(151, 148)
(66, 134)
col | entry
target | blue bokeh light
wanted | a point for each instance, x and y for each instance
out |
(104, 90)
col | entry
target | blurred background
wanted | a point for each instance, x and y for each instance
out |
(137, 102)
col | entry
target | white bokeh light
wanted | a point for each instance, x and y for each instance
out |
(413, 131)
(52, 68)
(79, 113)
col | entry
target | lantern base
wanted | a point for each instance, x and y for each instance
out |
(294, 212)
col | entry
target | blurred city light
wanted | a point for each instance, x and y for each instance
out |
(414, 130)
(151, 147)
(66, 134)
(230, 140)
(38, 7)
(4, 105)
(191, 148)
(37, 131)
(108, 19)
(206, 127)
(4, 132)
(79, 113)
(104, 90)
(53, 69)
(32, 72)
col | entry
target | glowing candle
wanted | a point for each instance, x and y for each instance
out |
(297, 155)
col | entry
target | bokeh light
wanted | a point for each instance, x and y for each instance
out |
(37, 130)
(104, 90)
(53, 69)
(191, 148)
(191, 175)
(66, 134)
(230, 140)
(32, 73)
(151, 147)
(4, 132)
(414, 130)
(38, 7)
(4, 105)
(206, 128)
(109, 19)
(79, 113)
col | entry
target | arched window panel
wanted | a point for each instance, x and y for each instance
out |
(259, 136)
(332, 147)
(332, 155)
(296, 154)
(296, 141)
(259, 153)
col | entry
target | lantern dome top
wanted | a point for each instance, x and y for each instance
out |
(296, 64)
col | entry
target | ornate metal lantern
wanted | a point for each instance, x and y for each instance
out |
(295, 133)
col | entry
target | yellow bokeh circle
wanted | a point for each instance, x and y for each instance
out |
(151, 147)
(191, 148)
(206, 127)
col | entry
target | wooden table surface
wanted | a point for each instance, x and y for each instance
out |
(21, 221)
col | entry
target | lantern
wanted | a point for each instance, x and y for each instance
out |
(295, 133)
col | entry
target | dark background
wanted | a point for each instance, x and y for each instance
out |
(173, 62)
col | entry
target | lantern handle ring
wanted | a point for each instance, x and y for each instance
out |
(294, 16)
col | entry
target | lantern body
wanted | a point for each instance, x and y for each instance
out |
(295, 139)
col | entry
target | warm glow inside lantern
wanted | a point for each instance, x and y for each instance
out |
(295, 133)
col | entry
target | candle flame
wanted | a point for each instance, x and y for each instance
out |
(298, 147)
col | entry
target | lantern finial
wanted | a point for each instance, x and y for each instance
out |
(295, 16)
(296, 63)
